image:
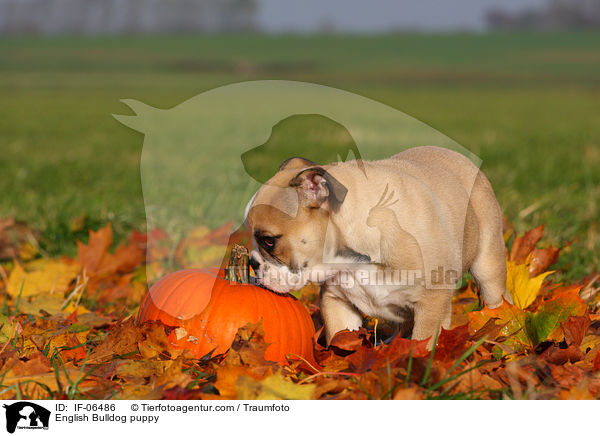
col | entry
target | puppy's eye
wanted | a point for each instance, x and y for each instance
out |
(268, 241)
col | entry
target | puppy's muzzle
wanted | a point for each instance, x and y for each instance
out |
(254, 262)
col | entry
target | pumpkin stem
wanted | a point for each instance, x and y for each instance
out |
(237, 271)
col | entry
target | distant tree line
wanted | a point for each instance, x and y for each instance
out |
(555, 15)
(126, 16)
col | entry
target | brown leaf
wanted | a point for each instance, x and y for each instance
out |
(413, 393)
(181, 393)
(575, 329)
(334, 363)
(173, 375)
(566, 375)
(135, 371)
(452, 343)
(153, 342)
(597, 361)
(37, 363)
(122, 339)
(350, 340)
(522, 378)
(559, 356)
(524, 245)
(125, 259)
(476, 381)
(490, 330)
(100, 265)
(38, 369)
(362, 359)
(66, 341)
(401, 348)
(248, 349)
(542, 259)
(380, 384)
(227, 377)
(92, 255)
(366, 357)
(328, 387)
(121, 288)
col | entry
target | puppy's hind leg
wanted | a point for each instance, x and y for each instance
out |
(489, 270)
(489, 265)
(432, 311)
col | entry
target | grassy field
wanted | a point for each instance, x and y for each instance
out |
(527, 104)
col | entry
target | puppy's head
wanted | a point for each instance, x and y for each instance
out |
(288, 219)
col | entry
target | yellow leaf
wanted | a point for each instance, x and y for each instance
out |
(227, 378)
(274, 387)
(173, 375)
(522, 288)
(138, 368)
(67, 340)
(49, 303)
(71, 307)
(590, 342)
(28, 251)
(44, 276)
(8, 328)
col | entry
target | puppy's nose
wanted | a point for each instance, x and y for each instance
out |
(254, 263)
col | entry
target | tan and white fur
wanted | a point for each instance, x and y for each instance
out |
(420, 211)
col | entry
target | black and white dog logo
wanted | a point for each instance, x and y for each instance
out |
(26, 415)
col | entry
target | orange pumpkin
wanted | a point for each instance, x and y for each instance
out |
(211, 309)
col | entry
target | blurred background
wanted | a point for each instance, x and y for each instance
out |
(517, 82)
(284, 16)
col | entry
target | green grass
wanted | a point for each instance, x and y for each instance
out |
(526, 104)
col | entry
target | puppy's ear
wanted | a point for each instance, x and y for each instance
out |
(316, 186)
(296, 162)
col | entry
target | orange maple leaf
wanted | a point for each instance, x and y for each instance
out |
(99, 264)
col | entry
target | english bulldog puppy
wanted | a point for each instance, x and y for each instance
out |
(388, 239)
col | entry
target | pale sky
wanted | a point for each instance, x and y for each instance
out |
(381, 15)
